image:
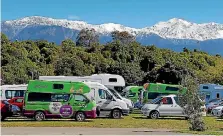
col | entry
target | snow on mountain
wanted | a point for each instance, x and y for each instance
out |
(172, 29)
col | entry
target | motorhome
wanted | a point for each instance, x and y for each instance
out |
(211, 91)
(113, 81)
(149, 91)
(53, 99)
(10, 91)
(105, 79)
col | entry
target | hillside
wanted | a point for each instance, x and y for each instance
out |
(136, 63)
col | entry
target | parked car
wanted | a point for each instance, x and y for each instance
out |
(218, 111)
(165, 106)
(8, 110)
(18, 101)
(213, 104)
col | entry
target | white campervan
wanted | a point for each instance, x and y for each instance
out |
(107, 103)
(111, 81)
(11, 91)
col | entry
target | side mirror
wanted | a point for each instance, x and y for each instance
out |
(87, 101)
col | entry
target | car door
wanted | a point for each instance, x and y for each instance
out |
(79, 102)
(165, 106)
(176, 110)
(19, 102)
(104, 103)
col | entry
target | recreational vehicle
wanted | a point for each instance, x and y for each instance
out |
(211, 91)
(10, 91)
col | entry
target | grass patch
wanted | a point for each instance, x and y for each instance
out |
(132, 121)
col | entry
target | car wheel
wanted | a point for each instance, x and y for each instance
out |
(116, 114)
(80, 116)
(39, 116)
(154, 115)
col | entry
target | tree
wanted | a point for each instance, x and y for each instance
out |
(124, 37)
(87, 37)
(191, 103)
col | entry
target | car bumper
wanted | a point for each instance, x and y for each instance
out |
(145, 112)
(217, 113)
(125, 112)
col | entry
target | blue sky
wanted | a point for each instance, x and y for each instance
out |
(133, 13)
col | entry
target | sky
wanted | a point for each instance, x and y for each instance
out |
(132, 13)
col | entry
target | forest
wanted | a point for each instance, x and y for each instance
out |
(22, 61)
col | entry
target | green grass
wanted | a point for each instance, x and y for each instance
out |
(132, 121)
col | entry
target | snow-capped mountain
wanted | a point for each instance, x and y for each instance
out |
(174, 32)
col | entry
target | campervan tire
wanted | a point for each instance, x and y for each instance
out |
(116, 114)
(80, 116)
(39, 116)
(154, 115)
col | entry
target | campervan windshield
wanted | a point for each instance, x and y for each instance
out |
(115, 93)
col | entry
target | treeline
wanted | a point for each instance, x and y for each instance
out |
(24, 60)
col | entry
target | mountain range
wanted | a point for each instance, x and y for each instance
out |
(173, 34)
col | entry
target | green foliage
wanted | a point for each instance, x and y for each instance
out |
(20, 60)
(191, 103)
(87, 37)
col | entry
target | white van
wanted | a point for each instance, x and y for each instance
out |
(108, 105)
(10, 91)
(111, 81)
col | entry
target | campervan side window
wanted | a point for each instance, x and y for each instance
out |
(205, 87)
(112, 79)
(9, 94)
(170, 88)
(154, 95)
(218, 96)
(42, 97)
(79, 98)
(58, 86)
(60, 97)
(102, 93)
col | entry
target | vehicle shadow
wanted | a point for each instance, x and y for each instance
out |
(47, 120)
(161, 118)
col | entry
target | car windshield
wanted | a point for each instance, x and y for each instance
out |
(115, 93)
(155, 100)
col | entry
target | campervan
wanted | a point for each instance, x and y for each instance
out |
(55, 99)
(10, 91)
(105, 79)
(211, 92)
(115, 82)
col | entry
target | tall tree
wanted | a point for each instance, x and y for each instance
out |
(124, 37)
(87, 37)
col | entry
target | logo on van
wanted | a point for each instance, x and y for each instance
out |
(54, 107)
(66, 111)
(80, 90)
(72, 89)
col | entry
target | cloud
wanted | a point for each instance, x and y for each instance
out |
(73, 17)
